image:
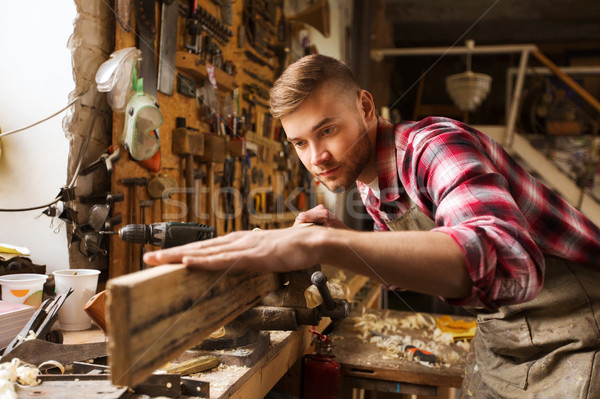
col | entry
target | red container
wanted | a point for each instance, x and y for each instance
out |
(321, 373)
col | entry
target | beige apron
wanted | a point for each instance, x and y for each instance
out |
(545, 348)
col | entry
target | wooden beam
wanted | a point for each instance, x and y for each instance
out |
(156, 314)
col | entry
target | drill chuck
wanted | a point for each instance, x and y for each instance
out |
(166, 234)
(135, 233)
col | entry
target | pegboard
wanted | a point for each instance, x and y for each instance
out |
(272, 177)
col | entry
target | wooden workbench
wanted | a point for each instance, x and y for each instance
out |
(366, 366)
(287, 347)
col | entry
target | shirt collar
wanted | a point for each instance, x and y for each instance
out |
(387, 170)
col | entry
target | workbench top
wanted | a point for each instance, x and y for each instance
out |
(364, 359)
(285, 349)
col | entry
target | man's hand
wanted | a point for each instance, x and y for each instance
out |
(320, 215)
(282, 250)
(400, 258)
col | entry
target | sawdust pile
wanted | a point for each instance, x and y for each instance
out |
(418, 329)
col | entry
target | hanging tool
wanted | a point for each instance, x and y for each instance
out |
(161, 187)
(227, 12)
(123, 11)
(214, 27)
(251, 99)
(186, 86)
(188, 142)
(193, 38)
(133, 185)
(253, 88)
(165, 234)
(146, 26)
(228, 192)
(257, 60)
(199, 175)
(143, 205)
(99, 213)
(245, 161)
(111, 156)
(168, 46)
(254, 76)
(260, 200)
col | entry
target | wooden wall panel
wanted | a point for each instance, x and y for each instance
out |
(124, 257)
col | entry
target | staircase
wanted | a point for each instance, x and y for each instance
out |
(538, 164)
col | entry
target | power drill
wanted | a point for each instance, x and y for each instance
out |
(165, 234)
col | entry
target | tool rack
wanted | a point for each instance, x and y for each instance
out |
(273, 171)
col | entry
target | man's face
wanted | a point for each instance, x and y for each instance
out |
(330, 137)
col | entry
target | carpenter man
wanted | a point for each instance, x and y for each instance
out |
(454, 216)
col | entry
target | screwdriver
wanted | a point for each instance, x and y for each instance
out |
(165, 234)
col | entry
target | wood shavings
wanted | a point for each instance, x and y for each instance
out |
(417, 329)
(314, 299)
(16, 374)
(341, 276)
(218, 333)
(221, 378)
(53, 363)
(443, 337)
(464, 344)
(31, 335)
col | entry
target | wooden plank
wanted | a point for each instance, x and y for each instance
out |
(156, 314)
(373, 298)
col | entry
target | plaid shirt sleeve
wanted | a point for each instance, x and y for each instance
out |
(447, 171)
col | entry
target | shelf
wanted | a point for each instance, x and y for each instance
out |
(255, 138)
(285, 217)
(195, 66)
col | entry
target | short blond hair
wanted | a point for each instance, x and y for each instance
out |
(304, 77)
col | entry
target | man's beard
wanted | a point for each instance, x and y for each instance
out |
(354, 161)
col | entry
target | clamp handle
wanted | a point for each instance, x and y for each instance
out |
(319, 279)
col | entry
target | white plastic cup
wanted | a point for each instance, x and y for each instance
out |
(71, 315)
(26, 288)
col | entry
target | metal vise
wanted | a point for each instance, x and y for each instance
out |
(285, 309)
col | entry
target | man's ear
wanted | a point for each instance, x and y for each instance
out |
(367, 105)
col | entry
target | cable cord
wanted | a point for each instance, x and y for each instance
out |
(45, 119)
(82, 151)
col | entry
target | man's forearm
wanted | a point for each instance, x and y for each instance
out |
(427, 262)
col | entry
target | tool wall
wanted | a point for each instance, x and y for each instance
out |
(222, 161)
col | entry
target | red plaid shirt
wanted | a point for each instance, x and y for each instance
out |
(504, 220)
